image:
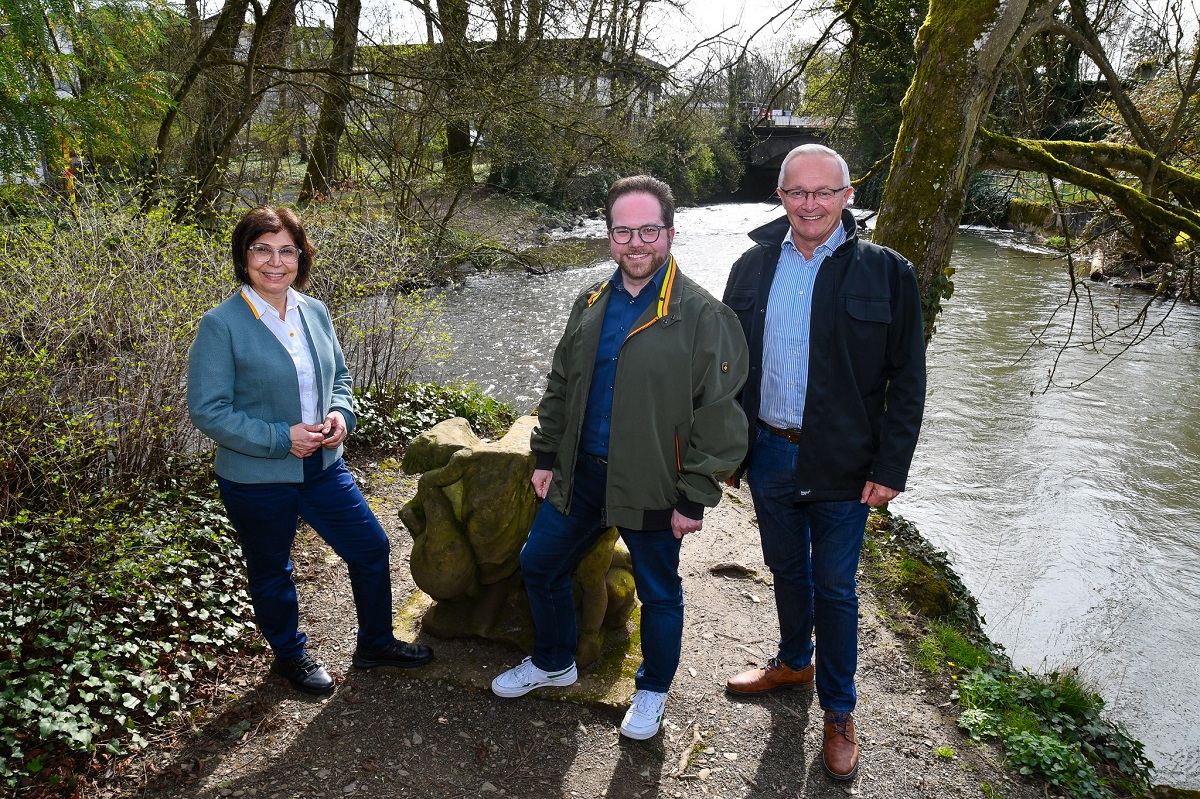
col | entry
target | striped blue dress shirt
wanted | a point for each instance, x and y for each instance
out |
(786, 335)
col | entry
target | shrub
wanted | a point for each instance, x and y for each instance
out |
(691, 154)
(108, 619)
(1052, 726)
(97, 315)
(388, 418)
(988, 196)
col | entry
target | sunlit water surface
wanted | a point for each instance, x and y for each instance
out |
(1073, 514)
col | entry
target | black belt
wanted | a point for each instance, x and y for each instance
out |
(791, 434)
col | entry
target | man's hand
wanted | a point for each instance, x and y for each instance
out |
(876, 495)
(541, 482)
(681, 525)
(335, 430)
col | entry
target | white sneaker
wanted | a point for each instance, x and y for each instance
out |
(521, 679)
(644, 716)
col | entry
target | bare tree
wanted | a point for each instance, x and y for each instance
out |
(323, 159)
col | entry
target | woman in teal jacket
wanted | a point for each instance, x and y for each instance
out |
(267, 381)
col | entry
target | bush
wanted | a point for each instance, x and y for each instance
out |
(1052, 726)
(97, 315)
(988, 195)
(388, 418)
(108, 619)
(691, 154)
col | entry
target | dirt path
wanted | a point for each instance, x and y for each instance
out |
(439, 731)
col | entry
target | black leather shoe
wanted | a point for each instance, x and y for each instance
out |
(305, 674)
(398, 654)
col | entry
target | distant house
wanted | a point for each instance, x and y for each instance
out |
(564, 69)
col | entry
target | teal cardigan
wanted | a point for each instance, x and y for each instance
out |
(243, 393)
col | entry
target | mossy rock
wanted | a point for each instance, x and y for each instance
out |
(470, 517)
(1029, 216)
(1167, 792)
(927, 592)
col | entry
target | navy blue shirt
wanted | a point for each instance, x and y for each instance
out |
(620, 316)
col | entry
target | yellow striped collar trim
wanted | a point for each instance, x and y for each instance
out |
(596, 295)
(664, 296)
(253, 310)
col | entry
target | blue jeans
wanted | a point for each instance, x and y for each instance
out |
(812, 549)
(265, 517)
(555, 545)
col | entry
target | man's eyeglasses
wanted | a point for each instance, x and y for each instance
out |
(262, 253)
(647, 233)
(820, 195)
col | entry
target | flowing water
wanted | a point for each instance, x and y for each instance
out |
(1073, 514)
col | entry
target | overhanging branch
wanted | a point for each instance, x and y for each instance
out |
(1075, 162)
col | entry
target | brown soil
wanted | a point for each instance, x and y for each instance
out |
(439, 732)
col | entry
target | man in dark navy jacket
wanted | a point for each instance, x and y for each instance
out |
(834, 398)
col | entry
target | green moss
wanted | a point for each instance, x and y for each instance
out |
(1029, 213)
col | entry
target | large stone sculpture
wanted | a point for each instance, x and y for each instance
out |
(469, 519)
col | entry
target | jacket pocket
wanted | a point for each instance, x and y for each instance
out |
(741, 302)
(740, 299)
(681, 445)
(869, 309)
(865, 333)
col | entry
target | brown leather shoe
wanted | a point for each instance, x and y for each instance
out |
(840, 753)
(771, 677)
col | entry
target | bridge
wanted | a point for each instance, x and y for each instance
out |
(775, 136)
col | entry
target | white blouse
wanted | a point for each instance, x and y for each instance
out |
(290, 332)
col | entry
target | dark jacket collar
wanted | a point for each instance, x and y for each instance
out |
(772, 233)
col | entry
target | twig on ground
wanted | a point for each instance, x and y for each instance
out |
(686, 755)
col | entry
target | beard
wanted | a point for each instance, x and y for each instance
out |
(638, 269)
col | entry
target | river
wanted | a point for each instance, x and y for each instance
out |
(1072, 514)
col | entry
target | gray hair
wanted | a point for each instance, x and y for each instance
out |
(814, 149)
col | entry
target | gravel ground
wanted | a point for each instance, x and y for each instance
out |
(439, 732)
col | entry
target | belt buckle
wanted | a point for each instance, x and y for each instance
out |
(790, 435)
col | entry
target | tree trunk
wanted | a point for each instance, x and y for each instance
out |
(962, 49)
(219, 45)
(453, 15)
(322, 163)
(216, 139)
(1152, 220)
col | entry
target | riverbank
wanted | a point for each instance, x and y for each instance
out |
(439, 731)
(1067, 508)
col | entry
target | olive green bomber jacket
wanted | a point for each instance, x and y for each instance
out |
(677, 430)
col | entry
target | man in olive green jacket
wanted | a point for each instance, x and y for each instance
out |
(638, 426)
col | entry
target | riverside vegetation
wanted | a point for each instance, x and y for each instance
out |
(122, 582)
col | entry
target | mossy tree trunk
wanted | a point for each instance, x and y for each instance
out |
(962, 50)
(1091, 165)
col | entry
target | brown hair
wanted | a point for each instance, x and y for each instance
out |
(265, 219)
(642, 183)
